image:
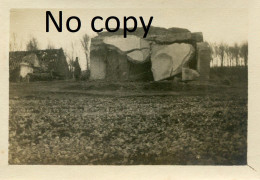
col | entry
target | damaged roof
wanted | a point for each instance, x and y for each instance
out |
(47, 56)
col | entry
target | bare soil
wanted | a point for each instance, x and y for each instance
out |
(66, 122)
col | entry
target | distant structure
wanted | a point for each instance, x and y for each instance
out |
(37, 65)
(77, 69)
(164, 54)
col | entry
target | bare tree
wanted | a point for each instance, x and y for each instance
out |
(13, 43)
(50, 46)
(235, 53)
(221, 52)
(229, 54)
(32, 44)
(244, 52)
(71, 58)
(211, 48)
(85, 42)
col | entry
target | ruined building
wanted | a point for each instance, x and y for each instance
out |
(39, 64)
(163, 54)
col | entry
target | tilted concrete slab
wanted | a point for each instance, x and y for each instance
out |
(139, 56)
(126, 44)
(168, 60)
(197, 36)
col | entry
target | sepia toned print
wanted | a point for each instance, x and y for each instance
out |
(177, 96)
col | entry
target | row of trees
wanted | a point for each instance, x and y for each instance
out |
(31, 45)
(222, 53)
(229, 55)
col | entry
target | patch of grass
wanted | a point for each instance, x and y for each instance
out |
(229, 75)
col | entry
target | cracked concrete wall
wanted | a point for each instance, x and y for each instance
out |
(97, 65)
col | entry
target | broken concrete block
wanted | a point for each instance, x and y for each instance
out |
(139, 56)
(136, 48)
(156, 34)
(170, 38)
(127, 44)
(189, 74)
(203, 61)
(168, 60)
(153, 31)
(197, 36)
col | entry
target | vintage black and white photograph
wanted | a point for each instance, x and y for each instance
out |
(128, 87)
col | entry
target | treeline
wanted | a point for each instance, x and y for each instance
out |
(229, 55)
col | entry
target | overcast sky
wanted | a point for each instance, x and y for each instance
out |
(227, 25)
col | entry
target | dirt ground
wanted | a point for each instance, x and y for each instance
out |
(67, 122)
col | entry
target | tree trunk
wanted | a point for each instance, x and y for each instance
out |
(245, 60)
(222, 60)
(87, 61)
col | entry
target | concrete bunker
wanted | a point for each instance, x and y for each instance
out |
(163, 54)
